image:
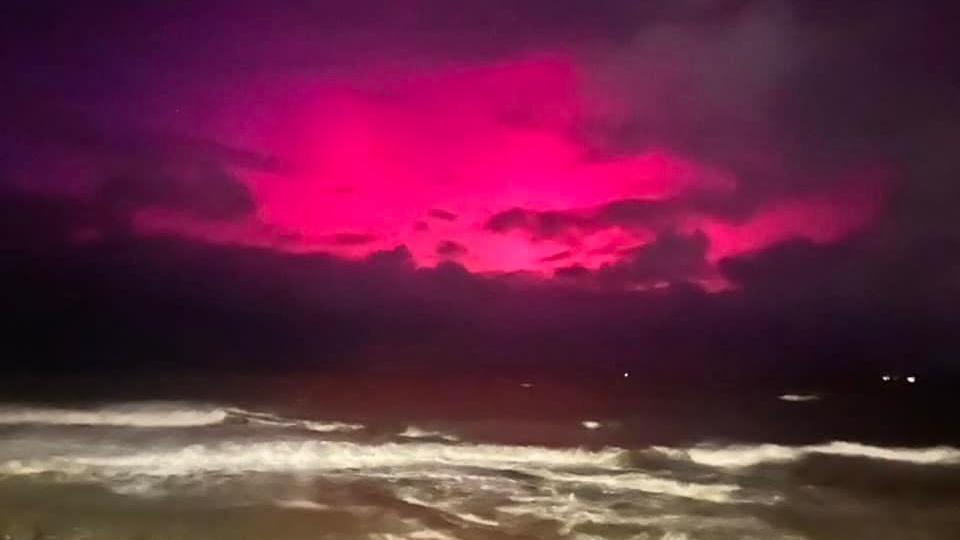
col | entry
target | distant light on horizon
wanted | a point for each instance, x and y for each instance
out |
(626, 374)
(911, 379)
(886, 378)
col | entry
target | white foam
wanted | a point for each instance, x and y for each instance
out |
(454, 492)
(422, 534)
(309, 425)
(635, 481)
(329, 427)
(921, 456)
(798, 398)
(669, 535)
(430, 534)
(269, 419)
(414, 432)
(133, 415)
(160, 415)
(304, 456)
(571, 513)
(737, 456)
(302, 504)
(449, 508)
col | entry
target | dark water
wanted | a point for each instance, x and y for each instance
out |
(387, 458)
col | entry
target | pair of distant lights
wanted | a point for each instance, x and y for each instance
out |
(910, 379)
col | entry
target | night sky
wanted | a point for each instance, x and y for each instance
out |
(685, 188)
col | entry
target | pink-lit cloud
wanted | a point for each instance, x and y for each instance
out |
(429, 157)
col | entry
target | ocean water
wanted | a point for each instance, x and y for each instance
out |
(391, 461)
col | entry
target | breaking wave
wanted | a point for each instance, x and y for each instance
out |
(140, 415)
(636, 481)
(159, 415)
(304, 456)
(737, 456)
(434, 485)
(444, 485)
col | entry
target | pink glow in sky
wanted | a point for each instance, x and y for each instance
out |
(425, 157)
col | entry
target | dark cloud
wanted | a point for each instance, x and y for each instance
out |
(197, 183)
(47, 224)
(559, 256)
(671, 257)
(857, 272)
(351, 239)
(442, 214)
(205, 191)
(189, 175)
(575, 271)
(451, 249)
(397, 258)
(508, 220)
(789, 96)
(52, 143)
(653, 215)
(539, 224)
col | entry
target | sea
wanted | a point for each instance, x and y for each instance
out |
(387, 457)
